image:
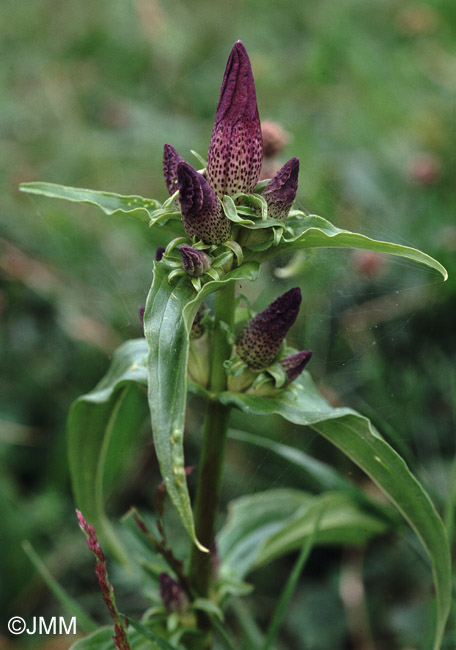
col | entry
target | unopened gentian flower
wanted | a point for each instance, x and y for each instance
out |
(236, 147)
(281, 190)
(171, 159)
(260, 340)
(194, 262)
(201, 210)
(295, 363)
(159, 252)
(172, 594)
(198, 328)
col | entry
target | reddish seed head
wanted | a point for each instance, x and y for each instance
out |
(281, 190)
(262, 337)
(236, 147)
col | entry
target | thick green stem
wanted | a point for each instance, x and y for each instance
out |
(213, 447)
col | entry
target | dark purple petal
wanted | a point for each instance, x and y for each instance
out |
(262, 337)
(194, 262)
(159, 252)
(295, 363)
(236, 147)
(281, 190)
(201, 210)
(172, 594)
(171, 160)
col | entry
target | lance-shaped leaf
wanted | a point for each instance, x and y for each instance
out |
(355, 435)
(236, 147)
(170, 311)
(202, 213)
(265, 525)
(281, 190)
(312, 231)
(148, 210)
(102, 429)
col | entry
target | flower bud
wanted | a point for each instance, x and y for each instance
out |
(295, 363)
(194, 262)
(172, 594)
(281, 190)
(262, 337)
(171, 159)
(197, 329)
(201, 210)
(159, 253)
(236, 147)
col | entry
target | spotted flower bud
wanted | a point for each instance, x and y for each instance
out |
(281, 190)
(197, 329)
(295, 363)
(201, 210)
(194, 262)
(262, 337)
(236, 147)
(172, 594)
(171, 160)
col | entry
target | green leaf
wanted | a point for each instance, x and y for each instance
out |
(101, 428)
(102, 640)
(74, 608)
(170, 310)
(263, 526)
(322, 476)
(354, 434)
(149, 634)
(292, 581)
(311, 231)
(109, 202)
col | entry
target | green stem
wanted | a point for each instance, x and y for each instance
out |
(213, 447)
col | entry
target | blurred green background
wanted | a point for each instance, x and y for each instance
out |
(90, 92)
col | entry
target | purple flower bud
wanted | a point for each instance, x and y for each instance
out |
(281, 190)
(295, 363)
(171, 159)
(159, 252)
(262, 337)
(198, 328)
(201, 210)
(236, 147)
(172, 594)
(194, 262)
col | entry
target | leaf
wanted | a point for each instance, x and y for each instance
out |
(322, 476)
(149, 634)
(170, 310)
(102, 640)
(109, 202)
(312, 231)
(354, 434)
(101, 428)
(263, 526)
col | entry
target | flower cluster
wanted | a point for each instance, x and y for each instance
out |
(233, 163)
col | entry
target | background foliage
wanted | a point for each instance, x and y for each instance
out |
(89, 94)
